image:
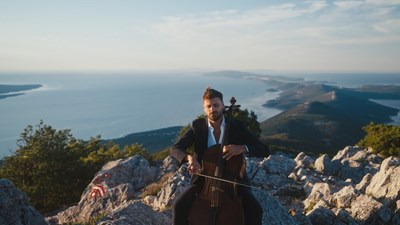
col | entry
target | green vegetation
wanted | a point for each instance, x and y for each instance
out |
(383, 139)
(54, 168)
(249, 119)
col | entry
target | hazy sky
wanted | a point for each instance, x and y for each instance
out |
(81, 35)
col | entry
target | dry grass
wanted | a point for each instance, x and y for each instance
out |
(155, 187)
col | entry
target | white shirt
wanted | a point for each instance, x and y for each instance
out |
(211, 138)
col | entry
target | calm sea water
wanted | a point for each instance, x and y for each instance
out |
(114, 105)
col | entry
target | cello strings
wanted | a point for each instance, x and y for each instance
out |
(224, 180)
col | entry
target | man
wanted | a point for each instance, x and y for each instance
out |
(204, 133)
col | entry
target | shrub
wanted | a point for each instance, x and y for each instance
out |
(382, 138)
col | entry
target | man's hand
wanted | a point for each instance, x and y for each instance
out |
(231, 150)
(194, 166)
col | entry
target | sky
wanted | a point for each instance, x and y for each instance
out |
(133, 35)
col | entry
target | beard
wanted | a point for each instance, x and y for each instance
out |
(214, 116)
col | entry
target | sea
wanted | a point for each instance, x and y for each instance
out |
(114, 105)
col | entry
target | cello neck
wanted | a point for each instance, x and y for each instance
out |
(228, 118)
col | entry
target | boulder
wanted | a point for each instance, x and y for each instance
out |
(303, 161)
(344, 197)
(319, 191)
(385, 184)
(115, 184)
(274, 212)
(279, 164)
(364, 183)
(364, 208)
(326, 166)
(347, 152)
(15, 208)
(343, 217)
(356, 162)
(134, 213)
(170, 164)
(321, 216)
(175, 185)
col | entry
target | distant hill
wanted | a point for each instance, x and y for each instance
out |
(153, 141)
(313, 127)
(320, 118)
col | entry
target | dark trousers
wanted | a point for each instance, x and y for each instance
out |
(251, 208)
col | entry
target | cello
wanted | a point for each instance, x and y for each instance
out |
(218, 203)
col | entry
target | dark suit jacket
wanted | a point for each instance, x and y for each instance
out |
(197, 135)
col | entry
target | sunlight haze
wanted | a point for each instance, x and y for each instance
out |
(49, 35)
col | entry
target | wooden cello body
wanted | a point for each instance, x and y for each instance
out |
(218, 203)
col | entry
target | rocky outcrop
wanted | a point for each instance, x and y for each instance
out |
(351, 188)
(15, 208)
(136, 213)
(113, 186)
(354, 187)
(361, 188)
(385, 185)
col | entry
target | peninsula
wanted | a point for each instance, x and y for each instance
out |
(9, 90)
(319, 117)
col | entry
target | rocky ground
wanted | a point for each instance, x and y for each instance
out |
(354, 187)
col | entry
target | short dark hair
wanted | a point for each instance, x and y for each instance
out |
(210, 93)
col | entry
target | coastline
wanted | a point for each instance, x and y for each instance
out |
(393, 103)
(123, 125)
(11, 90)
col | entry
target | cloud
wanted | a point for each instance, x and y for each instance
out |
(295, 34)
(312, 22)
(388, 26)
(235, 19)
(348, 5)
(234, 34)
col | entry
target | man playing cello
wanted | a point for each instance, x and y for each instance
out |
(204, 133)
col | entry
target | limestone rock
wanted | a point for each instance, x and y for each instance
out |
(274, 212)
(170, 164)
(175, 185)
(344, 197)
(356, 187)
(319, 191)
(279, 164)
(356, 162)
(134, 213)
(347, 152)
(15, 208)
(362, 186)
(321, 216)
(386, 183)
(112, 186)
(303, 161)
(364, 207)
(326, 166)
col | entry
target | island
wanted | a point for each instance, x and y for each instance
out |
(10, 90)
